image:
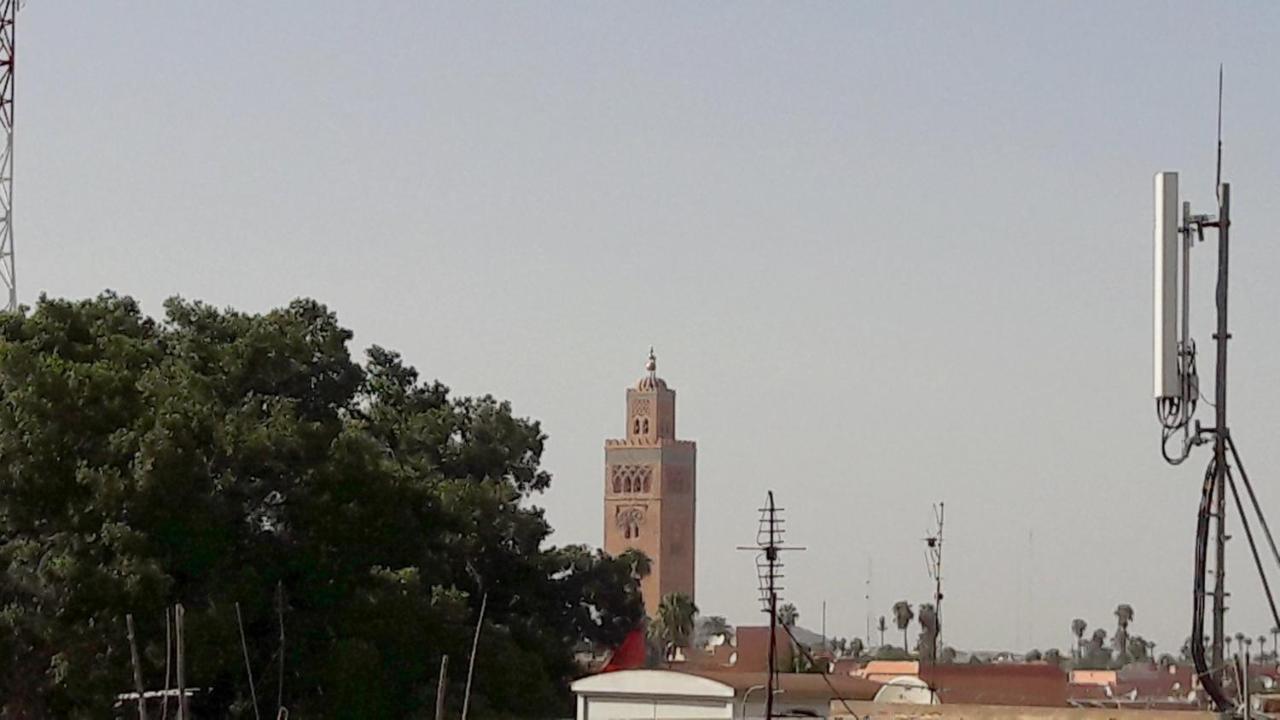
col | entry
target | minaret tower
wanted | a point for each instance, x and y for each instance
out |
(650, 493)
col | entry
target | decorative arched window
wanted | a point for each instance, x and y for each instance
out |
(637, 427)
(646, 426)
(629, 520)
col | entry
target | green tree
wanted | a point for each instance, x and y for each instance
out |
(1139, 649)
(1096, 654)
(902, 616)
(714, 625)
(673, 625)
(1078, 626)
(788, 615)
(212, 457)
(929, 628)
(1124, 616)
(856, 648)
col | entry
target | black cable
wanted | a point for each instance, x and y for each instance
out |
(827, 680)
(1207, 681)
(1253, 548)
(1257, 508)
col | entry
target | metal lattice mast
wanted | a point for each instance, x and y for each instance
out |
(8, 271)
(769, 547)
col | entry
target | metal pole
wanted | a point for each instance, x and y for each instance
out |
(1220, 436)
(771, 554)
(280, 666)
(180, 617)
(137, 668)
(440, 686)
(471, 664)
(824, 625)
(937, 584)
(248, 667)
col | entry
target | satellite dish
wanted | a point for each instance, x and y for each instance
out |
(908, 690)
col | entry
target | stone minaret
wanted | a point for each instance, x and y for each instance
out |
(650, 484)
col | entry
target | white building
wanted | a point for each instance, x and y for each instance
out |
(670, 695)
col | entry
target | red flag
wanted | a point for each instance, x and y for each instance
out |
(629, 655)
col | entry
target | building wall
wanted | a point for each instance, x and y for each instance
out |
(888, 711)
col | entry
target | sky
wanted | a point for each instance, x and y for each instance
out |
(889, 254)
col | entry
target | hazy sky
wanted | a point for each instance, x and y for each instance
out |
(889, 254)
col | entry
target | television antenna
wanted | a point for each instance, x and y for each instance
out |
(769, 549)
(1177, 393)
(933, 560)
(8, 270)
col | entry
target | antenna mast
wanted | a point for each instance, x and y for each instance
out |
(1177, 393)
(769, 547)
(8, 271)
(933, 554)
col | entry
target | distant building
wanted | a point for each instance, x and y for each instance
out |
(886, 670)
(650, 493)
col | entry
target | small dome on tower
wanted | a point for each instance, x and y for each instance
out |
(650, 380)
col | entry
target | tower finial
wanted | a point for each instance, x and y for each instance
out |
(652, 365)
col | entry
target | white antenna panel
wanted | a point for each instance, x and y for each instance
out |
(1167, 383)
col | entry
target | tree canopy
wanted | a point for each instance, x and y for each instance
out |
(215, 457)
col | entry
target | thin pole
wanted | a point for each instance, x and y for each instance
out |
(248, 668)
(1220, 435)
(180, 617)
(771, 554)
(824, 625)
(440, 686)
(137, 668)
(280, 669)
(168, 657)
(937, 583)
(471, 664)
(867, 599)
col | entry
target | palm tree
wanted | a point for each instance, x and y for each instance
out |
(1262, 646)
(788, 615)
(1240, 644)
(639, 562)
(1275, 640)
(1124, 616)
(882, 626)
(902, 616)
(1078, 626)
(673, 626)
(856, 648)
(714, 625)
